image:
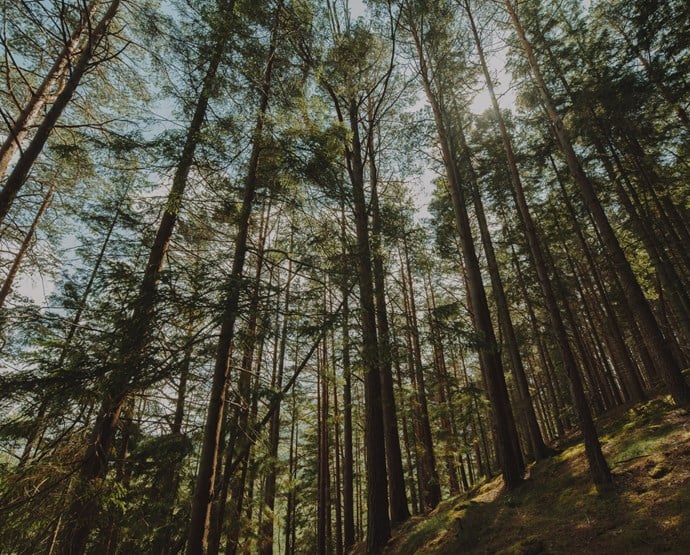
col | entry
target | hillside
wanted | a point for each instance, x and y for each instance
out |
(558, 511)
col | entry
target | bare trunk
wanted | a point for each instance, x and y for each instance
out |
(26, 243)
(656, 342)
(440, 397)
(20, 172)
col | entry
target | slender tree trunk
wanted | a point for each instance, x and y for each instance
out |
(26, 243)
(440, 393)
(205, 487)
(478, 432)
(290, 523)
(337, 449)
(21, 169)
(51, 85)
(399, 511)
(406, 436)
(138, 333)
(492, 367)
(323, 481)
(430, 486)
(170, 480)
(266, 537)
(378, 523)
(237, 493)
(657, 344)
(348, 461)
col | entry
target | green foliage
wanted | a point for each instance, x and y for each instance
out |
(618, 73)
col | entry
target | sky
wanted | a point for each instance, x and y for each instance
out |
(358, 8)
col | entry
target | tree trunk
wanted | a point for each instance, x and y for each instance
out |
(348, 461)
(629, 371)
(138, 333)
(429, 484)
(205, 487)
(679, 389)
(406, 436)
(21, 169)
(378, 523)
(51, 85)
(266, 536)
(337, 451)
(323, 460)
(26, 243)
(290, 521)
(492, 367)
(441, 398)
(399, 511)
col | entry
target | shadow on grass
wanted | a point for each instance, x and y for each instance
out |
(559, 511)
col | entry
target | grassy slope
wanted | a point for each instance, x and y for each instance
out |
(558, 511)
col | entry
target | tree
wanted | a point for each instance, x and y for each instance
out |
(205, 487)
(17, 177)
(510, 456)
(656, 343)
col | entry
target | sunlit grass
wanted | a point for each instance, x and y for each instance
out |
(558, 510)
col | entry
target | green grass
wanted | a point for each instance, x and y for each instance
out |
(557, 510)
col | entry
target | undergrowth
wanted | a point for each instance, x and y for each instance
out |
(558, 510)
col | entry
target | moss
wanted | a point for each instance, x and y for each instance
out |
(527, 546)
(426, 533)
(648, 511)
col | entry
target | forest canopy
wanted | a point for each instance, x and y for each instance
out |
(276, 276)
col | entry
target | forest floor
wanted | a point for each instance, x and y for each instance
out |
(557, 509)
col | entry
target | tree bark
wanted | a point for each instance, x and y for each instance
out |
(20, 172)
(205, 487)
(670, 371)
